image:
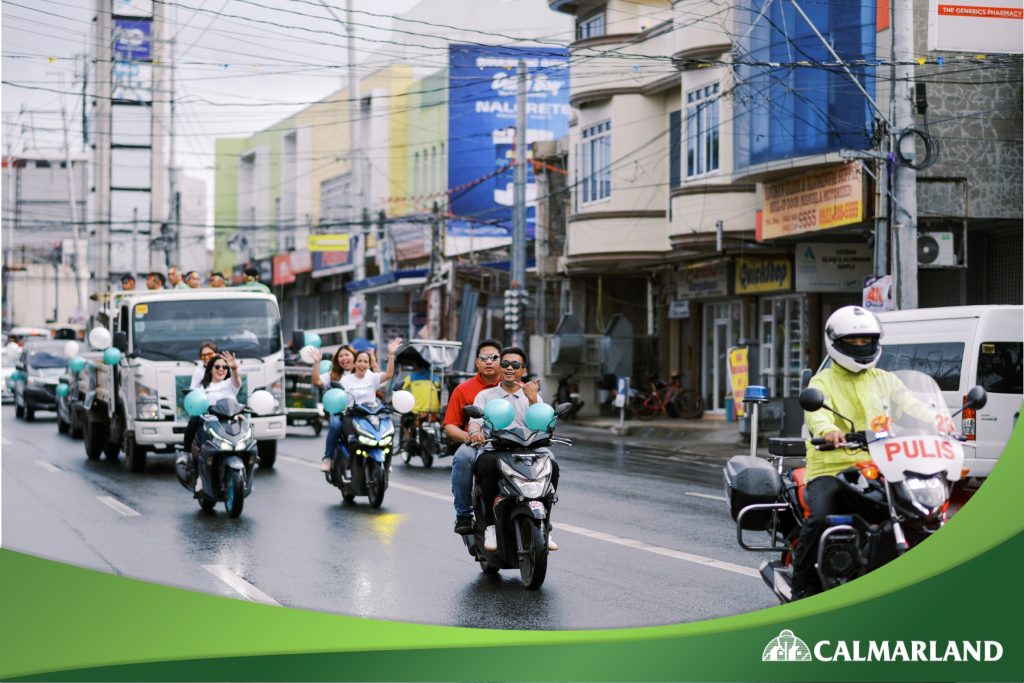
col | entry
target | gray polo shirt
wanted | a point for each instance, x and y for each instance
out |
(517, 399)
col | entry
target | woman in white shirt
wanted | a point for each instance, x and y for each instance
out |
(207, 350)
(362, 384)
(220, 380)
(342, 364)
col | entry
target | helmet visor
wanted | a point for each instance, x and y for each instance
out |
(860, 353)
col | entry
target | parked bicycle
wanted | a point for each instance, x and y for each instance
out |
(666, 399)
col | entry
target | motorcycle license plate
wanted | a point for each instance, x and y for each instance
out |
(918, 454)
(536, 505)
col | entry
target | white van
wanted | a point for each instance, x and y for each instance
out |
(960, 347)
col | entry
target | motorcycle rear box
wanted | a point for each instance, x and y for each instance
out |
(750, 480)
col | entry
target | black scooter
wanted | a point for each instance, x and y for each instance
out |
(568, 392)
(526, 495)
(224, 455)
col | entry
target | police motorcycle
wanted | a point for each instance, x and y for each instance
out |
(224, 451)
(522, 511)
(902, 486)
(363, 462)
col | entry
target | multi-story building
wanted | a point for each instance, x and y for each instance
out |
(724, 170)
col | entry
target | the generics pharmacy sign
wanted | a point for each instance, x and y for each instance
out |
(976, 26)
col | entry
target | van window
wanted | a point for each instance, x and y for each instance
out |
(940, 361)
(1000, 369)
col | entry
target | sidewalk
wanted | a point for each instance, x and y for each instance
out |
(706, 435)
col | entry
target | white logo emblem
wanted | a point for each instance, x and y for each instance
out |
(786, 648)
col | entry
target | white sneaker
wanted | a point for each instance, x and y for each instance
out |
(490, 539)
(199, 484)
(552, 546)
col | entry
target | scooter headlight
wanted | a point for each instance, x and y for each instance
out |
(530, 488)
(925, 494)
(367, 440)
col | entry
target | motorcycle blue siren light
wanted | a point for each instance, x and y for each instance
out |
(836, 520)
(755, 393)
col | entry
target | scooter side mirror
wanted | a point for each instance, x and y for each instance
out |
(563, 409)
(473, 411)
(812, 399)
(977, 398)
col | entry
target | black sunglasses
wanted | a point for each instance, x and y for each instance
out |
(492, 357)
(220, 367)
(514, 364)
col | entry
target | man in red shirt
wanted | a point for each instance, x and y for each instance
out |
(488, 373)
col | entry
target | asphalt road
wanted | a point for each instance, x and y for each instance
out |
(644, 535)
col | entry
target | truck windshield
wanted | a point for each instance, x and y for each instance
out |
(42, 359)
(173, 330)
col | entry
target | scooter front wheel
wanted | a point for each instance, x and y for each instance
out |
(375, 486)
(533, 560)
(235, 493)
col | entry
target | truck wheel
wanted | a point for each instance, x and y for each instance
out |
(76, 424)
(113, 448)
(134, 454)
(95, 436)
(19, 411)
(268, 453)
(318, 426)
(30, 413)
(62, 426)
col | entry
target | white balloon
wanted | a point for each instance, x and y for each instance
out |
(306, 354)
(71, 349)
(261, 402)
(403, 401)
(99, 338)
(12, 349)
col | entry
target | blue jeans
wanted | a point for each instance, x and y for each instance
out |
(334, 429)
(462, 479)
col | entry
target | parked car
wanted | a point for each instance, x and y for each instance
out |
(41, 364)
(960, 347)
(19, 335)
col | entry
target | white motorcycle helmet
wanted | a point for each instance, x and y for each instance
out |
(853, 321)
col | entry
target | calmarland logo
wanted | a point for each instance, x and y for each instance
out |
(786, 647)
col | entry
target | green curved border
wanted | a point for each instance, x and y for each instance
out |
(62, 622)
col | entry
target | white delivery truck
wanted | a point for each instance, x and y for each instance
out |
(137, 405)
(960, 347)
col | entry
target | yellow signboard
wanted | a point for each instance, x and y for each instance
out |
(739, 376)
(812, 202)
(756, 275)
(328, 242)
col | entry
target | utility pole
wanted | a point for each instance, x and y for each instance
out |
(904, 210)
(73, 206)
(104, 90)
(172, 170)
(518, 265)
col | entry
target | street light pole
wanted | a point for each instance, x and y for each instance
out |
(518, 265)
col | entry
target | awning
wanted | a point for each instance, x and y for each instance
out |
(389, 282)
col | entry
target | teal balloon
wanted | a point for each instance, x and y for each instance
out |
(499, 413)
(539, 417)
(325, 367)
(313, 339)
(112, 356)
(17, 376)
(76, 364)
(196, 402)
(335, 400)
(63, 389)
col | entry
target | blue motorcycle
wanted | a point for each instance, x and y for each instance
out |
(363, 461)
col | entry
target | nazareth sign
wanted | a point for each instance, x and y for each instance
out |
(826, 199)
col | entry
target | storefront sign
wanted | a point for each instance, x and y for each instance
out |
(283, 273)
(678, 309)
(813, 202)
(411, 240)
(832, 267)
(754, 276)
(331, 263)
(328, 242)
(878, 293)
(976, 27)
(704, 279)
(739, 376)
(302, 261)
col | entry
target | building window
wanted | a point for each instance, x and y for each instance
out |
(590, 27)
(702, 131)
(597, 161)
(675, 136)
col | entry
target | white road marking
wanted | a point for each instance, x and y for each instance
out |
(590, 533)
(707, 495)
(240, 585)
(657, 549)
(49, 467)
(118, 506)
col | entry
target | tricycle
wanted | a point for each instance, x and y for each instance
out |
(422, 365)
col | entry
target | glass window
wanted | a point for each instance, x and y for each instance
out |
(173, 330)
(42, 359)
(702, 130)
(999, 367)
(940, 361)
(591, 27)
(597, 161)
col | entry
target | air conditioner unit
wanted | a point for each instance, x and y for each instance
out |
(935, 250)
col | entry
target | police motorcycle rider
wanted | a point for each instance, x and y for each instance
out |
(856, 389)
